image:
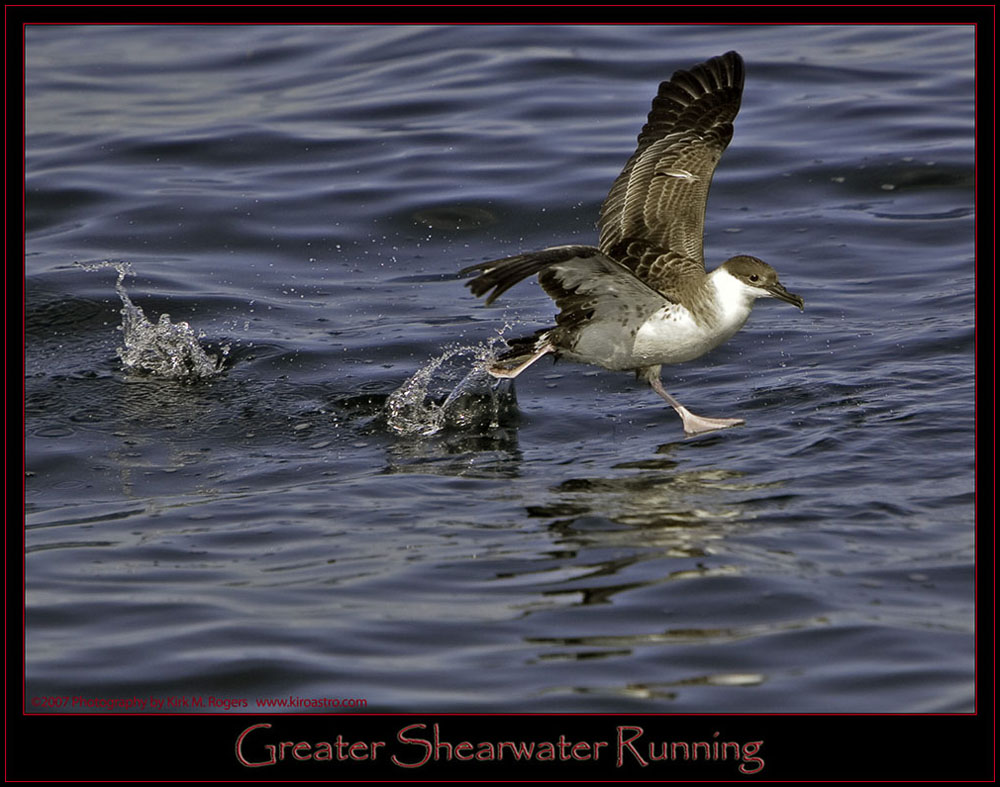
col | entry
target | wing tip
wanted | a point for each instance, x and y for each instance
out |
(722, 71)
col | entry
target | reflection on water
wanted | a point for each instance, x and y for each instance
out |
(490, 454)
(671, 506)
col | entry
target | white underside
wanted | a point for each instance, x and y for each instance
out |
(671, 334)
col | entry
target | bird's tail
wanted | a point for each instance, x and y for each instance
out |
(501, 275)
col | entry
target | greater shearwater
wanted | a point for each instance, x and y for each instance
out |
(642, 298)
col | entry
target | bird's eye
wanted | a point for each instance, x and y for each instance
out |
(754, 277)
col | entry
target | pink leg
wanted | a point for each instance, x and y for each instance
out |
(502, 371)
(693, 424)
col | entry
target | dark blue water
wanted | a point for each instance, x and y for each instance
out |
(302, 198)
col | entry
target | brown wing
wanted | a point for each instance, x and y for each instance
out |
(654, 216)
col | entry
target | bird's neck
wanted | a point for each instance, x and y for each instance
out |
(729, 300)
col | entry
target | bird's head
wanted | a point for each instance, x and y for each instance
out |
(759, 280)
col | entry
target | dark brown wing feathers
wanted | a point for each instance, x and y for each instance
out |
(657, 204)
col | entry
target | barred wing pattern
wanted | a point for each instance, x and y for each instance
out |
(654, 216)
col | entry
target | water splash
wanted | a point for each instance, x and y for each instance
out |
(164, 349)
(442, 394)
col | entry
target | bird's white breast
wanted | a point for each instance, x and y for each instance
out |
(671, 335)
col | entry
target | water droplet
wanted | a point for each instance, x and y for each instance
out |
(163, 349)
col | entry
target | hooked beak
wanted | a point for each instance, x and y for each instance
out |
(779, 292)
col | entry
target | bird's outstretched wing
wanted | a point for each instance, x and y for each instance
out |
(654, 216)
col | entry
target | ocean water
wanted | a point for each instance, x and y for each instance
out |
(268, 493)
